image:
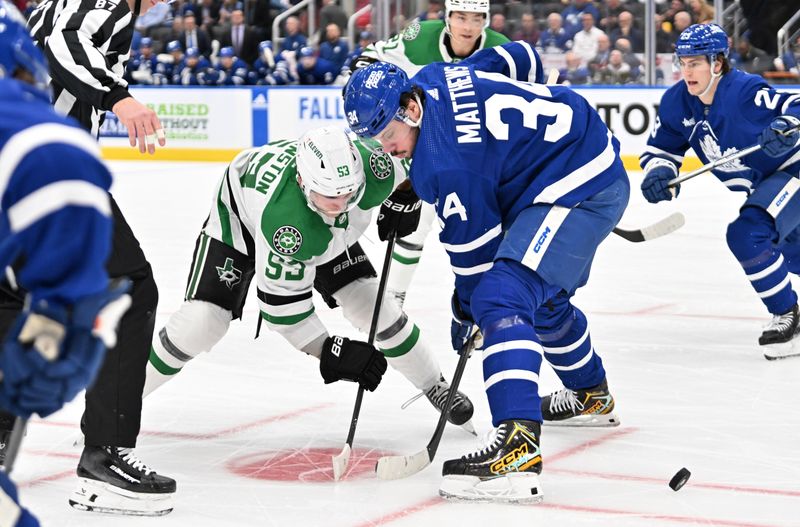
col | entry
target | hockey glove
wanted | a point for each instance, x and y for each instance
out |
(351, 360)
(52, 353)
(658, 174)
(399, 214)
(11, 512)
(462, 326)
(780, 136)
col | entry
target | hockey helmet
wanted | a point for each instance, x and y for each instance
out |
(18, 51)
(466, 6)
(227, 51)
(305, 51)
(372, 97)
(192, 53)
(702, 39)
(329, 164)
(146, 42)
(173, 46)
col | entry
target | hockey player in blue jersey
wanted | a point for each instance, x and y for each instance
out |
(231, 70)
(527, 181)
(696, 113)
(55, 227)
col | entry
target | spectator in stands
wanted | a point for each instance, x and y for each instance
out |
(332, 13)
(208, 13)
(616, 71)
(555, 38)
(231, 70)
(572, 15)
(160, 15)
(630, 58)
(314, 70)
(498, 23)
(261, 72)
(601, 58)
(702, 13)
(528, 30)
(226, 10)
(609, 12)
(585, 41)
(667, 14)
(194, 37)
(294, 39)
(790, 61)
(574, 73)
(435, 11)
(627, 30)
(177, 28)
(243, 39)
(749, 58)
(334, 48)
(365, 38)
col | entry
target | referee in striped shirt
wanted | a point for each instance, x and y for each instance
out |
(87, 44)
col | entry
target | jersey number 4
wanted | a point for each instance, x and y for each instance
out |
(531, 110)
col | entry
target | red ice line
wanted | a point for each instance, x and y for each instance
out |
(174, 435)
(433, 502)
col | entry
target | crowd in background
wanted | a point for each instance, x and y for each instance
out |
(225, 42)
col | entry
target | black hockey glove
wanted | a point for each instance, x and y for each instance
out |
(351, 360)
(399, 214)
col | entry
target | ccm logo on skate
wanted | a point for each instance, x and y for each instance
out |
(541, 240)
(517, 460)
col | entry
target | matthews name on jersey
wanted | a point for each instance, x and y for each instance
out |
(262, 211)
(420, 44)
(683, 121)
(488, 122)
(55, 215)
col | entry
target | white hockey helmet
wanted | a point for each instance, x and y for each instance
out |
(466, 6)
(329, 164)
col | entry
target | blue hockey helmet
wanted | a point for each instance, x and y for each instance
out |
(18, 51)
(702, 39)
(305, 51)
(227, 51)
(192, 53)
(173, 46)
(372, 97)
(146, 42)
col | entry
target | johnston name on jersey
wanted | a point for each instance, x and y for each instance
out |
(260, 210)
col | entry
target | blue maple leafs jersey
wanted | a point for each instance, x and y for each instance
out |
(55, 215)
(489, 146)
(743, 106)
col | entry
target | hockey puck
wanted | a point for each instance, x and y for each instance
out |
(679, 479)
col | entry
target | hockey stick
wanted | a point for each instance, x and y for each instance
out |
(340, 461)
(14, 442)
(671, 223)
(397, 467)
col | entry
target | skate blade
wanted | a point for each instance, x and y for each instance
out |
(515, 488)
(588, 421)
(469, 428)
(96, 496)
(783, 350)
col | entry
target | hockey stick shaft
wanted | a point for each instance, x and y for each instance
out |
(14, 443)
(340, 461)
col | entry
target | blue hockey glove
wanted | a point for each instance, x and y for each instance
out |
(11, 513)
(52, 353)
(780, 136)
(462, 326)
(658, 174)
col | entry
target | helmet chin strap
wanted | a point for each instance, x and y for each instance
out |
(714, 76)
(402, 115)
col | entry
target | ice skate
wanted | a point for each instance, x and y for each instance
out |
(780, 337)
(586, 407)
(460, 411)
(507, 470)
(113, 480)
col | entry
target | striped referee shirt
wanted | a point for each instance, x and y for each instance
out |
(87, 44)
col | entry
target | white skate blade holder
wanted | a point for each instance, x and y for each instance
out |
(783, 350)
(587, 421)
(96, 496)
(523, 488)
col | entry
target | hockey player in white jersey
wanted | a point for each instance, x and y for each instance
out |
(292, 212)
(696, 113)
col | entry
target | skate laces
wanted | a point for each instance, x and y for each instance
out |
(130, 458)
(565, 400)
(491, 439)
(437, 395)
(781, 322)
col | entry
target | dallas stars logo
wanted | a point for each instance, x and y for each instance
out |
(229, 274)
(381, 164)
(287, 240)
